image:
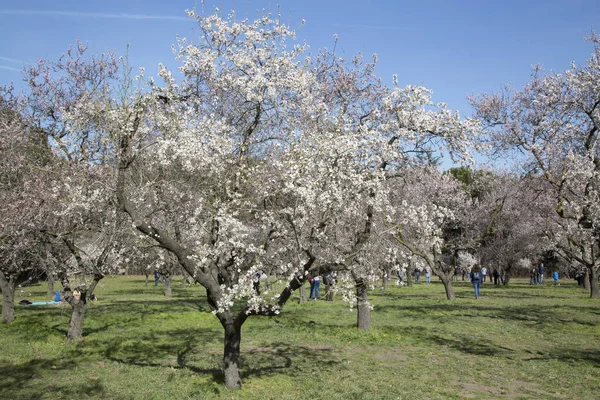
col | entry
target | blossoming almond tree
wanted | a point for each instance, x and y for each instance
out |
(428, 217)
(83, 218)
(195, 170)
(494, 218)
(89, 226)
(25, 180)
(554, 122)
(374, 132)
(507, 221)
(246, 165)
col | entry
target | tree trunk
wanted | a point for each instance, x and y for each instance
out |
(363, 309)
(302, 294)
(78, 314)
(8, 299)
(506, 274)
(448, 287)
(593, 275)
(79, 307)
(184, 280)
(231, 355)
(168, 279)
(329, 291)
(146, 273)
(586, 280)
(50, 293)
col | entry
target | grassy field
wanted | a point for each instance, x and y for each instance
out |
(516, 342)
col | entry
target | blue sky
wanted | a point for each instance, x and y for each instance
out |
(454, 48)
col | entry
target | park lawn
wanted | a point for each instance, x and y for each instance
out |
(515, 342)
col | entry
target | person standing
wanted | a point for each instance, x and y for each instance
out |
(417, 273)
(476, 279)
(541, 273)
(496, 276)
(555, 278)
(256, 282)
(483, 274)
(428, 274)
(314, 288)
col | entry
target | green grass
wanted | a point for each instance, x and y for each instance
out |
(516, 342)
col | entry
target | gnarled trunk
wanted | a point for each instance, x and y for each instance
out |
(185, 278)
(302, 294)
(593, 275)
(50, 293)
(167, 281)
(587, 280)
(8, 299)
(231, 354)
(78, 314)
(329, 292)
(363, 322)
(506, 279)
(448, 286)
(79, 307)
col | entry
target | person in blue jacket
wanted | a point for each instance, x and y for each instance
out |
(476, 279)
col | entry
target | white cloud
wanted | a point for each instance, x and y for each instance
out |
(13, 60)
(10, 68)
(78, 14)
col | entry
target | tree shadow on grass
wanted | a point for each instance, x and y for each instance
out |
(544, 315)
(470, 345)
(22, 381)
(149, 306)
(567, 355)
(200, 351)
(481, 347)
(393, 296)
(544, 318)
(178, 349)
(128, 314)
(281, 358)
(537, 314)
(42, 322)
(526, 295)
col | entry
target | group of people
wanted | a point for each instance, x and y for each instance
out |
(477, 275)
(315, 285)
(495, 275)
(417, 274)
(536, 276)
